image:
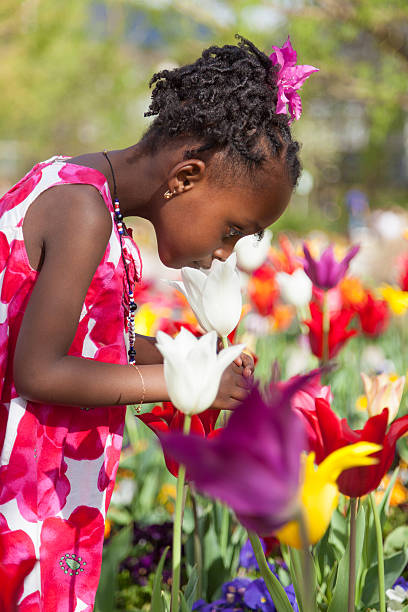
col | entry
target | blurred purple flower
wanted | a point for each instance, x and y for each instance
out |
(254, 463)
(247, 558)
(290, 592)
(327, 272)
(401, 582)
(290, 78)
(257, 597)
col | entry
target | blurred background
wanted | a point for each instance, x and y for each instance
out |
(75, 78)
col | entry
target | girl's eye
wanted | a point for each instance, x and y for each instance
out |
(234, 232)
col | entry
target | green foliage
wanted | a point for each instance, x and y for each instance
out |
(157, 602)
(113, 554)
(75, 77)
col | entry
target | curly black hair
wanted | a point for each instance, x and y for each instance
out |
(227, 99)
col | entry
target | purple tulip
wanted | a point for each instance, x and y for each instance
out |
(327, 272)
(253, 464)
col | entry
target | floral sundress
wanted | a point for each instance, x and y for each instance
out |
(58, 464)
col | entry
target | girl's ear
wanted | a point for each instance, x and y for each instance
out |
(185, 175)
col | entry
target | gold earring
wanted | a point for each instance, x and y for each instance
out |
(168, 194)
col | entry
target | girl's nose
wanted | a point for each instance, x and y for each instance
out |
(224, 251)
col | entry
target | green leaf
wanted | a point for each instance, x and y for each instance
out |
(370, 547)
(120, 516)
(157, 602)
(184, 605)
(339, 601)
(191, 587)
(393, 567)
(338, 535)
(295, 569)
(402, 448)
(113, 554)
(397, 540)
(325, 557)
(385, 501)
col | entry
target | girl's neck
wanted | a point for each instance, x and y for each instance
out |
(137, 177)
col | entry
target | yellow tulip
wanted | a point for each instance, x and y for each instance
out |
(397, 300)
(147, 318)
(319, 493)
(383, 391)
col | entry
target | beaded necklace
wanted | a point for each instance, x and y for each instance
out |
(132, 304)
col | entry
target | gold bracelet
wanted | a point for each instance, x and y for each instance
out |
(139, 406)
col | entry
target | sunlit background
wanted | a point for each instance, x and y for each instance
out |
(75, 78)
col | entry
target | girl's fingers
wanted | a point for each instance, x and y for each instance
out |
(247, 362)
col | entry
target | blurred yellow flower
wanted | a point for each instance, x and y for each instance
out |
(167, 497)
(108, 527)
(361, 403)
(383, 391)
(319, 492)
(145, 319)
(396, 299)
(399, 494)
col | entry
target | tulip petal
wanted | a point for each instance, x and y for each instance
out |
(347, 457)
(221, 298)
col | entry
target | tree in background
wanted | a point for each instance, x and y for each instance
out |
(75, 75)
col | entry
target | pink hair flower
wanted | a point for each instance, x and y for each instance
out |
(290, 78)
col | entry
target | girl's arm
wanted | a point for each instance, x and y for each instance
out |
(73, 225)
(146, 350)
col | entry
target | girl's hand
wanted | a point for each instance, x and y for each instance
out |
(247, 364)
(244, 360)
(233, 389)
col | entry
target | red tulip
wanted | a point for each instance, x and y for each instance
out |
(330, 433)
(168, 419)
(403, 277)
(338, 333)
(373, 315)
(174, 327)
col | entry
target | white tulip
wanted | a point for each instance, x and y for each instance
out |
(215, 296)
(252, 252)
(296, 288)
(383, 391)
(193, 369)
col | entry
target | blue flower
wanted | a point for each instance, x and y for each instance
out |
(257, 597)
(290, 592)
(401, 582)
(247, 556)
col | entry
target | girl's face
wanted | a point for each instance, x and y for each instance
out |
(205, 222)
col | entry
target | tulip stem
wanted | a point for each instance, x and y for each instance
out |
(224, 414)
(307, 582)
(198, 551)
(178, 519)
(276, 590)
(380, 552)
(325, 328)
(352, 557)
(224, 533)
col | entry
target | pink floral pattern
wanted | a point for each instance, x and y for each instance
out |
(58, 464)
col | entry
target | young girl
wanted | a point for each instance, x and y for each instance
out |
(217, 163)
